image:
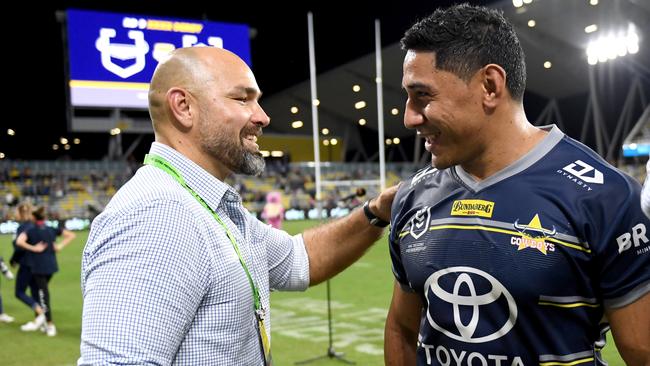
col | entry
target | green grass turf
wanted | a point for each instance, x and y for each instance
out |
(360, 299)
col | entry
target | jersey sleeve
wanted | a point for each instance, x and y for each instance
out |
(625, 252)
(398, 267)
(397, 226)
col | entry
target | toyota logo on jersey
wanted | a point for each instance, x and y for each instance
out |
(468, 292)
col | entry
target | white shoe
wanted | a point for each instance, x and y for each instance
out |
(28, 327)
(34, 324)
(9, 275)
(50, 330)
(5, 271)
(4, 318)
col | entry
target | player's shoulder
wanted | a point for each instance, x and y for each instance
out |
(427, 184)
(583, 167)
(422, 179)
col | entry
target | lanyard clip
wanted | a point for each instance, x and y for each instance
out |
(260, 314)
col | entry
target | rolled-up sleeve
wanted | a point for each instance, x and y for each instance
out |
(144, 274)
(286, 257)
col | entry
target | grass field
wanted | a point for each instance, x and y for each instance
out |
(360, 301)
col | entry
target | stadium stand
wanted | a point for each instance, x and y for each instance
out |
(80, 189)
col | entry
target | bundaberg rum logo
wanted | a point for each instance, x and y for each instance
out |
(480, 208)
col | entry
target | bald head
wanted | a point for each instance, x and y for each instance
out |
(204, 104)
(189, 68)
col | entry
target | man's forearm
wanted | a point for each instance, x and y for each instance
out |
(334, 246)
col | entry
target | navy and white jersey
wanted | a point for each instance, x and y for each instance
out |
(517, 269)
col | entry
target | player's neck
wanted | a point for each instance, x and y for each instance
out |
(510, 138)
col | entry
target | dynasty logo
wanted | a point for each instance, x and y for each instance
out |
(533, 235)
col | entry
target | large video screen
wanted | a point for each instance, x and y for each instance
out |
(112, 56)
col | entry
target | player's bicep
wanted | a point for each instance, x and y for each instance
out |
(630, 326)
(402, 326)
(405, 309)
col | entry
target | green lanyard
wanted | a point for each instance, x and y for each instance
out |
(160, 162)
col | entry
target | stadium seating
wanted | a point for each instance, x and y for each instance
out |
(82, 188)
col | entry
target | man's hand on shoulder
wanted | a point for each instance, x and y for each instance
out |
(380, 205)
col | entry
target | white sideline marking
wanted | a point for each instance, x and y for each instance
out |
(306, 318)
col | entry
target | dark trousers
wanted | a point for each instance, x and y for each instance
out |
(44, 294)
(24, 279)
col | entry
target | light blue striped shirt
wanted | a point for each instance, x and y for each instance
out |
(161, 282)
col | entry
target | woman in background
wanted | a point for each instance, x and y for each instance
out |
(39, 242)
(24, 276)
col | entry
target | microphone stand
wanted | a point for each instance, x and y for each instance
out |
(331, 352)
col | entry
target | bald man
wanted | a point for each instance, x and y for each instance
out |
(176, 271)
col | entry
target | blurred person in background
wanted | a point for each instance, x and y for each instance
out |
(516, 242)
(176, 271)
(645, 193)
(5, 318)
(273, 212)
(6, 272)
(24, 277)
(39, 242)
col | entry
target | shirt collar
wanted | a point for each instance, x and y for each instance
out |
(210, 188)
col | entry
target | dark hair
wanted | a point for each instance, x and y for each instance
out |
(39, 213)
(465, 38)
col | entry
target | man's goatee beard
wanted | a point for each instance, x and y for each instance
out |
(252, 164)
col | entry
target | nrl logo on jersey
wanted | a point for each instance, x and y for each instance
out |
(421, 175)
(533, 235)
(472, 208)
(419, 224)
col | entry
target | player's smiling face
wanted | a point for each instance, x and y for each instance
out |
(444, 109)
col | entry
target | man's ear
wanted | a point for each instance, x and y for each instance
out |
(181, 106)
(494, 85)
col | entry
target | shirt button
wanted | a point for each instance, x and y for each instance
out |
(231, 197)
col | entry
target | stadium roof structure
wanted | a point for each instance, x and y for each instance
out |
(551, 31)
(587, 101)
(637, 142)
